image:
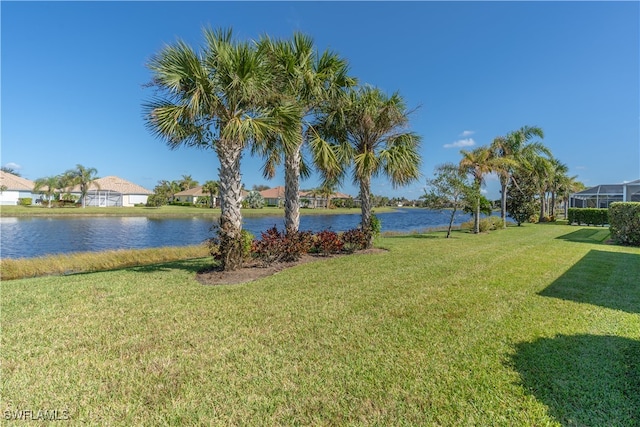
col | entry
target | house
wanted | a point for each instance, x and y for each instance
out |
(113, 191)
(601, 196)
(13, 188)
(273, 196)
(192, 195)
(308, 199)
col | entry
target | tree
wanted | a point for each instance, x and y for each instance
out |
(211, 187)
(48, 186)
(187, 182)
(308, 80)
(368, 133)
(254, 200)
(83, 177)
(559, 176)
(215, 99)
(10, 170)
(512, 149)
(260, 187)
(449, 189)
(478, 163)
(521, 204)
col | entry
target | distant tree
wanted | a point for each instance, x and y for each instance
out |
(10, 170)
(369, 135)
(48, 186)
(477, 163)
(213, 188)
(83, 177)
(187, 182)
(450, 189)
(260, 187)
(165, 191)
(254, 200)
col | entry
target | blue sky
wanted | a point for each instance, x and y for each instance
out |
(73, 76)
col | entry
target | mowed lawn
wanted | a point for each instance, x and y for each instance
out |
(534, 325)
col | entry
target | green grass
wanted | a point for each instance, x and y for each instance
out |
(163, 211)
(517, 327)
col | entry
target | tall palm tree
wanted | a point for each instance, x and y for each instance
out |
(214, 99)
(514, 146)
(306, 79)
(539, 171)
(47, 186)
(478, 163)
(83, 177)
(369, 135)
(211, 187)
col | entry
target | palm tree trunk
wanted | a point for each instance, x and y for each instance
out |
(229, 154)
(476, 218)
(365, 207)
(543, 207)
(291, 191)
(503, 201)
(553, 204)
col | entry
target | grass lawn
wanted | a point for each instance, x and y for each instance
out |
(163, 211)
(534, 325)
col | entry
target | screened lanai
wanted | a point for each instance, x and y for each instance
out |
(601, 196)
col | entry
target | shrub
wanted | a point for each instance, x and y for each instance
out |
(25, 201)
(353, 240)
(588, 216)
(276, 246)
(327, 242)
(624, 220)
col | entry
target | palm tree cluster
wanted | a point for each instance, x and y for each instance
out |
(55, 185)
(523, 166)
(274, 98)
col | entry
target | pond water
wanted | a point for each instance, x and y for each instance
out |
(35, 236)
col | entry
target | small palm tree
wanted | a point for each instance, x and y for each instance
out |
(83, 177)
(478, 163)
(187, 182)
(211, 187)
(513, 148)
(48, 186)
(368, 133)
(215, 99)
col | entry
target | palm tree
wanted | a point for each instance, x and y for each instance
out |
(215, 99)
(187, 182)
(539, 172)
(47, 186)
(305, 79)
(83, 177)
(369, 135)
(478, 163)
(211, 187)
(514, 146)
(559, 177)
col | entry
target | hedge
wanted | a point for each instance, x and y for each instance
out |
(588, 216)
(624, 220)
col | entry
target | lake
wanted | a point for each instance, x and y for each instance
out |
(26, 237)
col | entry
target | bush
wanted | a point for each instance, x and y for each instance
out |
(276, 246)
(25, 201)
(624, 220)
(486, 224)
(327, 242)
(588, 216)
(353, 240)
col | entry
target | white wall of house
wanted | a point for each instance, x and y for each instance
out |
(10, 197)
(134, 199)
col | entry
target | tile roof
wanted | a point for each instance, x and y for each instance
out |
(14, 182)
(195, 191)
(273, 193)
(115, 184)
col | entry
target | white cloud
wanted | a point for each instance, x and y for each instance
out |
(13, 166)
(468, 142)
(467, 133)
